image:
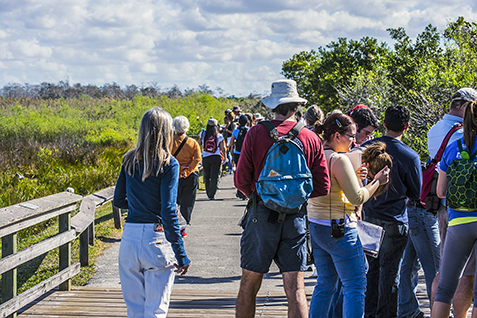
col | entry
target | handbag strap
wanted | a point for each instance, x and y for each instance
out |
(180, 146)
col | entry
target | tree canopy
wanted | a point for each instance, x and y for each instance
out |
(420, 74)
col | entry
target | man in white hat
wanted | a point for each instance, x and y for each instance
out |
(264, 239)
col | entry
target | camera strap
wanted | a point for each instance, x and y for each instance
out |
(329, 172)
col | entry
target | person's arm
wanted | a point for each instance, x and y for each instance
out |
(231, 144)
(442, 184)
(222, 149)
(244, 174)
(415, 180)
(196, 158)
(120, 199)
(170, 220)
(343, 171)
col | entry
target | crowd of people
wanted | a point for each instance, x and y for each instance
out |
(159, 181)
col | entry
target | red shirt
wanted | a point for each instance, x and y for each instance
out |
(256, 145)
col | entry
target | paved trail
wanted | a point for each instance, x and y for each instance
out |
(213, 245)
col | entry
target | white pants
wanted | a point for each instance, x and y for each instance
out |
(146, 270)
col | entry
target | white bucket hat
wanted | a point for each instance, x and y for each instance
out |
(283, 91)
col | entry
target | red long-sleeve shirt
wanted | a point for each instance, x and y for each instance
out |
(256, 145)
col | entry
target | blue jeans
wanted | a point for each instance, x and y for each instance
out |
(383, 274)
(338, 258)
(422, 247)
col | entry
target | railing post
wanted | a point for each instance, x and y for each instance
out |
(9, 279)
(64, 222)
(84, 248)
(117, 218)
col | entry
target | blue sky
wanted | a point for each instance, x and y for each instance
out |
(237, 45)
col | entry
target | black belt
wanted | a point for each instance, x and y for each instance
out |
(414, 204)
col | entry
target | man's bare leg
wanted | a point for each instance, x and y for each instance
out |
(294, 285)
(246, 299)
(462, 298)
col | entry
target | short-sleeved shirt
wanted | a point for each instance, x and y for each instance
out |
(450, 154)
(438, 132)
(235, 133)
(405, 181)
(217, 151)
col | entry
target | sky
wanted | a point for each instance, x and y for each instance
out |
(235, 47)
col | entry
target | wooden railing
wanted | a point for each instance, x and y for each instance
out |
(27, 214)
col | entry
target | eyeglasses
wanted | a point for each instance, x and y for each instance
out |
(351, 136)
(366, 132)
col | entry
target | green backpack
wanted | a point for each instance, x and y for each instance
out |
(462, 175)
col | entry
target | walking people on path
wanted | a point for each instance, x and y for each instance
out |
(187, 151)
(389, 211)
(340, 256)
(264, 238)
(236, 143)
(459, 289)
(151, 247)
(213, 146)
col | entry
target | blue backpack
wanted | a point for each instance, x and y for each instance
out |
(285, 182)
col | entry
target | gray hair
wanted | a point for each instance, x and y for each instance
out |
(181, 124)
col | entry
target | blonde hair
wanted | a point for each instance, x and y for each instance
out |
(154, 143)
(377, 158)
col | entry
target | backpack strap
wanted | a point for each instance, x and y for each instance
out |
(461, 150)
(295, 131)
(272, 130)
(180, 146)
(444, 143)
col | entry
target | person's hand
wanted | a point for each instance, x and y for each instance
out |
(181, 270)
(362, 172)
(382, 176)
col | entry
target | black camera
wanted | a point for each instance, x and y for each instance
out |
(337, 228)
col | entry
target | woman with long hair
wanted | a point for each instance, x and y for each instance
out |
(337, 250)
(213, 147)
(151, 247)
(462, 227)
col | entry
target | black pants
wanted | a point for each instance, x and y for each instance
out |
(186, 194)
(211, 166)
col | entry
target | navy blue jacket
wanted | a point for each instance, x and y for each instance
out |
(153, 201)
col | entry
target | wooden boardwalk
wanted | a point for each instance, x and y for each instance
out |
(95, 302)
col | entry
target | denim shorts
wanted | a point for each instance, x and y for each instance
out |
(268, 240)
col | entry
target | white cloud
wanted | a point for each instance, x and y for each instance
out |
(238, 45)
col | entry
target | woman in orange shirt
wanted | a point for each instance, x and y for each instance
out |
(187, 151)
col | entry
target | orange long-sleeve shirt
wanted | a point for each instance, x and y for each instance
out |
(189, 157)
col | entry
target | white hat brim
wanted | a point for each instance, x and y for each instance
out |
(272, 102)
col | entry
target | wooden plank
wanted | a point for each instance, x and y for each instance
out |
(103, 196)
(13, 227)
(11, 261)
(38, 290)
(18, 212)
(108, 302)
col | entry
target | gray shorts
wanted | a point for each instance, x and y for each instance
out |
(443, 219)
(267, 240)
